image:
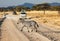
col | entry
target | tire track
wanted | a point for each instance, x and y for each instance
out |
(50, 34)
(13, 33)
(32, 36)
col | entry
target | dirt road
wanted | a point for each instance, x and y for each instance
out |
(11, 33)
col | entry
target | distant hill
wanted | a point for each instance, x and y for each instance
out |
(30, 4)
(54, 4)
(27, 5)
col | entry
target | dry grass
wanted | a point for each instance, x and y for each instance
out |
(39, 16)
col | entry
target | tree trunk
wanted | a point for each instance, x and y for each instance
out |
(44, 12)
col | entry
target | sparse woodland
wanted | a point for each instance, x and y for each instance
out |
(43, 6)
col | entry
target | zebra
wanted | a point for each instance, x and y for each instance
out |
(33, 24)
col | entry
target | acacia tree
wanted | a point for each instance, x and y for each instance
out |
(1, 9)
(45, 6)
(18, 8)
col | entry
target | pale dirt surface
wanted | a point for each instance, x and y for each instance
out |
(49, 27)
(11, 33)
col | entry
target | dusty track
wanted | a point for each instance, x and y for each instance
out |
(11, 33)
(33, 36)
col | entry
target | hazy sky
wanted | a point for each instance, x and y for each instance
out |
(17, 2)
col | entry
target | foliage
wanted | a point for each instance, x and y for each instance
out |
(43, 6)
